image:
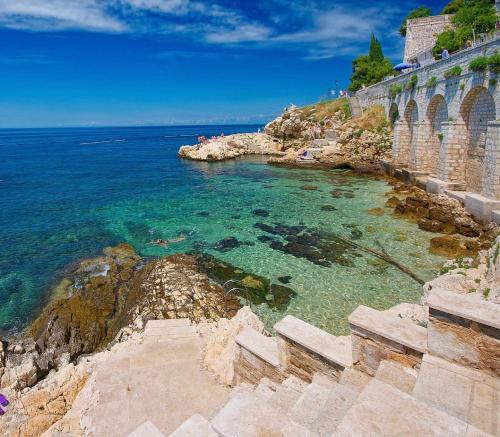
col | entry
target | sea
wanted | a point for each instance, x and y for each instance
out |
(66, 194)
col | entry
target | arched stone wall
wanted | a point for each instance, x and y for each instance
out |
(477, 109)
(437, 114)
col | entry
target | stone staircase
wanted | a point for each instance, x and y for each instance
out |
(391, 377)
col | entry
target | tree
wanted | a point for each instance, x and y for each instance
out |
(375, 52)
(471, 16)
(370, 69)
(420, 12)
(452, 7)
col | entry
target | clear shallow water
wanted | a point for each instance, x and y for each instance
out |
(65, 194)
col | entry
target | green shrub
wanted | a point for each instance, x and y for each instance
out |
(486, 292)
(394, 90)
(432, 82)
(453, 72)
(494, 63)
(462, 86)
(493, 82)
(440, 137)
(479, 64)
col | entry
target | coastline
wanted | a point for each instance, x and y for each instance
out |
(114, 310)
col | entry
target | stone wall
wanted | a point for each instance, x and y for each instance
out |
(446, 127)
(421, 34)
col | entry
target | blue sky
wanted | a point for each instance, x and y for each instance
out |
(154, 62)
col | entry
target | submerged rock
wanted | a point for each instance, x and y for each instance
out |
(285, 279)
(317, 246)
(227, 244)
(309, 187)
(256, 288)
(260, 212)
(328, 208)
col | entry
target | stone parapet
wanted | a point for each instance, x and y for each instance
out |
(464, 330)
(378, 336)
(305, 349)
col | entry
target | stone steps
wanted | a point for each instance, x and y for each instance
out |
(248, 415)
(382, 409)
(147, 429)
(464, 393)
(195, 426)
(169, 330)
(401, 377)
(288, 393)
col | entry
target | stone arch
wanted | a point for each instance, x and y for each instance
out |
(436, 115)
(477, 109)
(411, 116)
(393, 113)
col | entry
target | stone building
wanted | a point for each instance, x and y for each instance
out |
(445, 128)
(421, 34)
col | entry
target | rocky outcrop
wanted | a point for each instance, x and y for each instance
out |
(107, 297)
(478, 277)
(359, 143)
(232, 146)
(442, 214)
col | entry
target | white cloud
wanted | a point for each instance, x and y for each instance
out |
(39, 15)
(317, 29)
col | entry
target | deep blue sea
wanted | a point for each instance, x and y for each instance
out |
(65, 194)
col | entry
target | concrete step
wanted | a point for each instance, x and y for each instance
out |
(338, 402)
(462, 392)
(309, 405)
(195, 426)
(147, 429)
(247, 415)
(171, 330)
(401, 377)
(266, 388)
(354, 379)
(383, 410)
(288, 393)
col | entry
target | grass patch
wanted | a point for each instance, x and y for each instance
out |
(319, 111)
(373, 119)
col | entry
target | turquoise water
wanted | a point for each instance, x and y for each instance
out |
(66, 194)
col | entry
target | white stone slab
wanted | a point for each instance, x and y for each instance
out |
(258, 344)
(195, 426)
(495, 216)
(334, 349)
(461, 305)
(147, 429)
(457, 195)
(389, 326)
(437, 186)
(481, 207)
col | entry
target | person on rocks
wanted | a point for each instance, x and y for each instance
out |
(3, 402)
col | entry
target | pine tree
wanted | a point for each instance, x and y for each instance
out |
(375, 53)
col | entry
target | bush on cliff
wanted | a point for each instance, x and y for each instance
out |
(319, 111)
(370, 69)
(419, 12)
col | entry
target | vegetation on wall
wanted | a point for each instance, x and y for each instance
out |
(494, 63)
(419, 12)
(471, 17)
(453, 72)
(432, 82)
(370, 69)
(479, 64)
(394, 90)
